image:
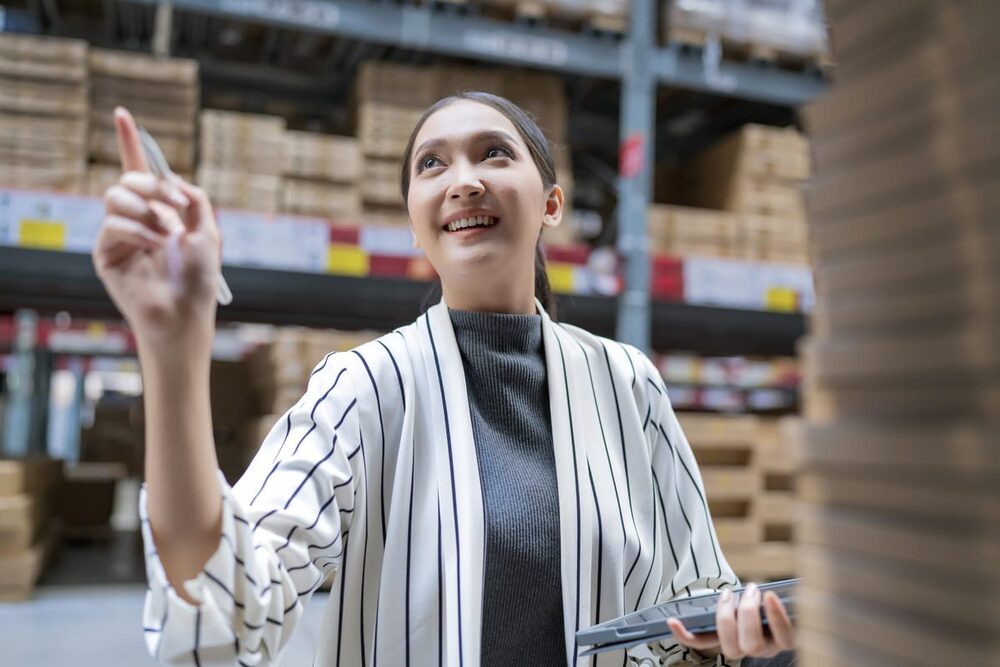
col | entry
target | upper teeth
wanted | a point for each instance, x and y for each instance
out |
(483, 220)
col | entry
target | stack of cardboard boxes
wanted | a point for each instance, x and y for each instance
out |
(163, 94)
(741, 198)
(28, 536)
(322, 176)
(43, 112)
(241, 159)
(899, 485)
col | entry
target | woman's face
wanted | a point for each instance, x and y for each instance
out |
(476, 200)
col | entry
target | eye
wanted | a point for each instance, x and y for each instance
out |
(427, 162)
(499, 151)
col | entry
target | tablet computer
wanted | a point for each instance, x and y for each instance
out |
(696, 613)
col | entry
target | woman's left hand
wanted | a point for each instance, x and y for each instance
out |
(739, 631)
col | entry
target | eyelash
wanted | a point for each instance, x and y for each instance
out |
(422, 166)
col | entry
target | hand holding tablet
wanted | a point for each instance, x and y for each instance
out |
(757, 624)
(752, 621)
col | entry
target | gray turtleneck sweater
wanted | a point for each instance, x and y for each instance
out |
(504, 362)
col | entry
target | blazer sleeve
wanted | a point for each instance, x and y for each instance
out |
(283, 529)
(693, 562)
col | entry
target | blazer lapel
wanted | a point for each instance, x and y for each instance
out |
(459, 492)
(563, 363)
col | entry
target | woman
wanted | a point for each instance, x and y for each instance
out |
(484, 481)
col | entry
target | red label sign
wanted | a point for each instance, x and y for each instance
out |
(631, 156)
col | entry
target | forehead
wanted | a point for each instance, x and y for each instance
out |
(462, 120)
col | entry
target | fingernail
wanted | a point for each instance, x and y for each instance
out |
(752, 590)
(727, 595)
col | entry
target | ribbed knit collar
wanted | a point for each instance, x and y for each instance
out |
(499, 332)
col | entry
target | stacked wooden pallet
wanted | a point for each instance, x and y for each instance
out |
(43, 112)
(321, 175)
(28, 537)
(241, 159)
(900, 469)
(163, 94)
(748, 484)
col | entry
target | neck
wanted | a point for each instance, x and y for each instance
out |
(514, 299)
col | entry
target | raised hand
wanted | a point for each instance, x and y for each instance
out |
(158, 249)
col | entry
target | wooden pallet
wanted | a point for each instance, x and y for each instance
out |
(573, 17)
(742, 51)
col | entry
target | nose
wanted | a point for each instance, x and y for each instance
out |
(466, 183)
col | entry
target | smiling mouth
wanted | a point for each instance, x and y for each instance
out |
(472, 222)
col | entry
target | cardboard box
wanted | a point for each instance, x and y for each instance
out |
(322, 157)
(29, 476)
(380, 183)
(144, 67)
(719, 431)
(383, 129)
(396, 84)
(254, 192)
(320, 198)
(86, 498)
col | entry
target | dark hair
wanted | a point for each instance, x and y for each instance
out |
(538, 147)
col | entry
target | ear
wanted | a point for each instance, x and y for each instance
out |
(553, 207)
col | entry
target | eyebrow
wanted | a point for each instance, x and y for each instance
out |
(479, 136)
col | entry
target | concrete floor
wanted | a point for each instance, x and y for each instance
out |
(87, 612)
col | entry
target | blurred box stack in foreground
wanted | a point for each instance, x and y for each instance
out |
(900, 482)
(163, 94)
(28, 536)
(43, 112)
(241, 159)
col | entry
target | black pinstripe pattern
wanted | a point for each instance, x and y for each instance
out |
(576, 480)
(454, 490)
(704, 503)
(600, 555)
(628, 481)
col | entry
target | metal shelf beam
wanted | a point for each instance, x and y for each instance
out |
(476, 38)
(680, 68)
(51, 281)
(426, 29)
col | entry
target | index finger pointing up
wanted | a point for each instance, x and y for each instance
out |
(129, 146)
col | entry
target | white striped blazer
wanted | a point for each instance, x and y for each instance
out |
(373, 473)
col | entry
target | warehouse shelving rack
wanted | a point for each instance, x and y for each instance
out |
(641, 68)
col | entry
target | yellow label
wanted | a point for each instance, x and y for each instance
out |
(346, 260)
(782, 299)
(561, 277)
(45, 234)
